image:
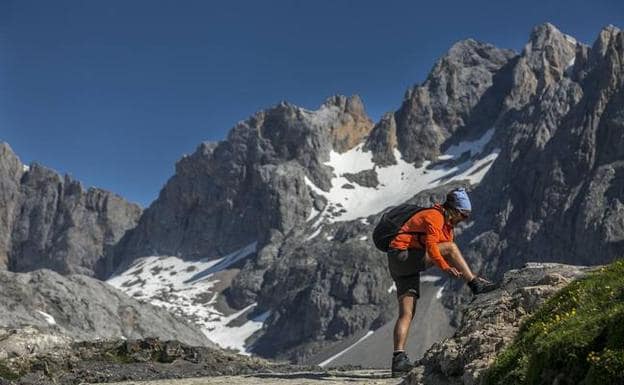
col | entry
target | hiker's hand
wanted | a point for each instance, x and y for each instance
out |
(453, 272)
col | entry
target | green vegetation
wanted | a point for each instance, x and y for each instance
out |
(7, 373)
(576, 337)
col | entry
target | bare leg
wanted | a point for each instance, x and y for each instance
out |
(407, 308)
(454, 257)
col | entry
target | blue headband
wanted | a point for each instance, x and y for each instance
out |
(458, 199)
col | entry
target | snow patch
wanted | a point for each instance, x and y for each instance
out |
(439, 293)
(313, 213)
(570, 66)
(234, 337)
(186, 289)
(352, 161)
(314, 234)
(363, 238)
(25, 168)
(429, 278)
(330, 359)
(397, 183)
(474, 148)
(540, 265)
(392, 288)
(49, 319)
(570, 39)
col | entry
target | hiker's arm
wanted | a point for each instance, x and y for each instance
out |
(432, 237)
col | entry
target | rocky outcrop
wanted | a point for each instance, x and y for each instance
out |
(353, 126)
(366, 178)
(49, 221)
(554, 192)
(29, 356)
(445, 103)
(11, 170)
(83, 308)
(382, 141)
(490, 323)
(544, 62)
(249, 187)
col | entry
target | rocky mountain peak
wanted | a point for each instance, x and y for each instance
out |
(49, 220)
(444, 103)
(470, 53)
(605, 56)
(544, 61)
(549, 46)
(352, 126)
(10, 164)
(605, 38)
(383, 140)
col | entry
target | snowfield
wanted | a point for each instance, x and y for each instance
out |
(187, 289)
(397, 183)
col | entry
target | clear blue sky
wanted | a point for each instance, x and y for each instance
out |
(114, 92)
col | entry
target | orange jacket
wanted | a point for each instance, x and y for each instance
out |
(430, 222)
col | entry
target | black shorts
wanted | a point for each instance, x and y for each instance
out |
(405, 267)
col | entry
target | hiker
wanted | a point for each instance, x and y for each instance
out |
(425, 239)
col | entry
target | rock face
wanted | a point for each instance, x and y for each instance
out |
(249, 187)
(49, 221)
(454, 97)
(83, 308)
(322, 291)
(538, 136)
(490, 323)
(11, 170)
(555, 191)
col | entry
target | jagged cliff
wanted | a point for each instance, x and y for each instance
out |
(555, 191)
(50, 221)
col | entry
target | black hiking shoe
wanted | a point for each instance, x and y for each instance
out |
(480, 285)
(401, 364)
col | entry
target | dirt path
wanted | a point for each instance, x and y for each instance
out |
(373, 377)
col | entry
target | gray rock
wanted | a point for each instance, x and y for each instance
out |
(554, 192)
(445, 102)
(49, 221)
(366, 178)
(239, 191)
(83, 308)
(41, 358)
(490, 323)
(11, 170)
(383, 140)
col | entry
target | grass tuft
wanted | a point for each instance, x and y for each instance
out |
(576, 337)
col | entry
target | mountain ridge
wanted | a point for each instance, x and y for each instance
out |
(536, 136)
